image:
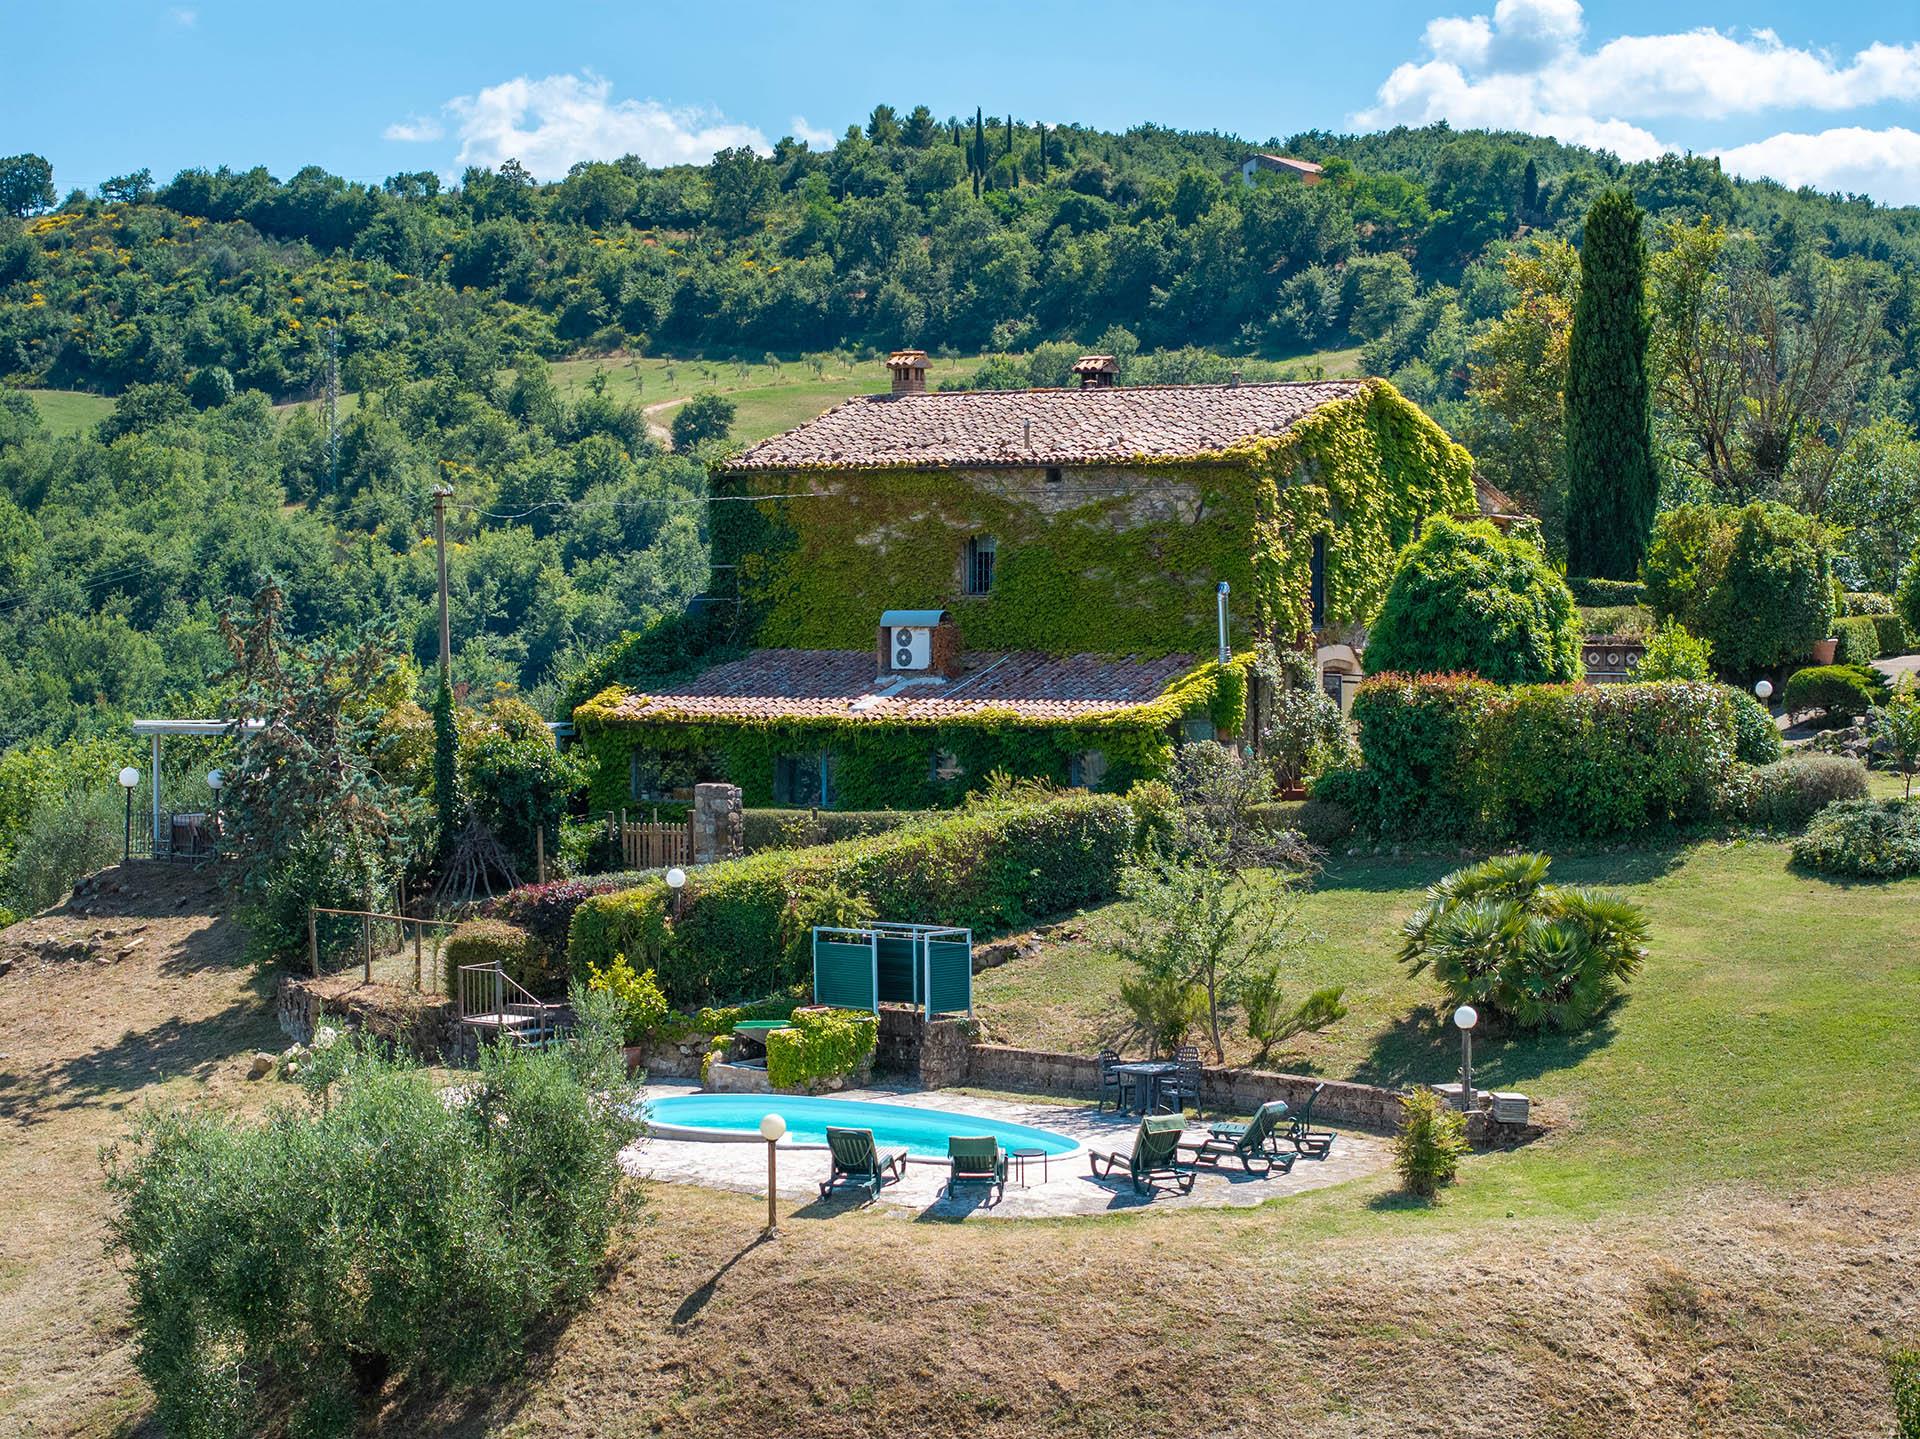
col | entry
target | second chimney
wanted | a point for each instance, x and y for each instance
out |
(909, 371)
(1096, 372)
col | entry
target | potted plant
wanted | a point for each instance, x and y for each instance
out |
(1825, 650)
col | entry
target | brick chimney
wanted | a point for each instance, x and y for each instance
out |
(909, 371)
(1096, 372)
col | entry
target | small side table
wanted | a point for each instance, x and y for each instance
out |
(1020, 1158)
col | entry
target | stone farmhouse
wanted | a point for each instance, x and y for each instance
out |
(926, 587)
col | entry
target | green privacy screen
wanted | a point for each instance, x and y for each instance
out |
(843, 970)
(927, 966)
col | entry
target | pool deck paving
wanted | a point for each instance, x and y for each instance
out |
(1065, 1189)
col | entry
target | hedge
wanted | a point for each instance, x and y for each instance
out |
(798, 828)
(1786, 794)
(546, 910)
(987, 869)
(1606, 594)
(1893, 634)
(487, 941)
(1859, 639)
(1454, 757)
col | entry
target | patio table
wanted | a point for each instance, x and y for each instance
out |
(1147, 1074)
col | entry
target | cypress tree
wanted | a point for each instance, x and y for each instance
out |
(446, 799)
(1530, 192)
(977, 160)
(1612, 486)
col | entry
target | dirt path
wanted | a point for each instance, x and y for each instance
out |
(110, 1001)
(659, 407)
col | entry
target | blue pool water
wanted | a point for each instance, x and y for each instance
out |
(921, 1132)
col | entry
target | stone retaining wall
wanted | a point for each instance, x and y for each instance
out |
(425, 1026)
(1231, 1091)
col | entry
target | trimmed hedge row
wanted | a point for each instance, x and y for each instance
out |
(1604, 594)
(487, 941)
(1453, 757)
(796, 828)
(988, 869)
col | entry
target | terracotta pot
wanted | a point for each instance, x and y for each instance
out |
(635, 1056)
(1823, 650)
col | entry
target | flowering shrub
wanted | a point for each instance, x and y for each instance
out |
(546, 910)
(1863, 838)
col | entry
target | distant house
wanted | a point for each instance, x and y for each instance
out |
(926, 587)
(1305, 171)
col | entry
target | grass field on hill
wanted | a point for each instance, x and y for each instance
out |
(1773, 1035)
(768, 398)
(68, 412)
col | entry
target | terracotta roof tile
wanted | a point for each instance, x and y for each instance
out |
(839, 684)
(1040, 427)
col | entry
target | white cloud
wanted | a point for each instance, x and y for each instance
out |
(551, 124)
(815, 138)
(185, 16)
(1525, 67)
(1882, 163)
(415, 130)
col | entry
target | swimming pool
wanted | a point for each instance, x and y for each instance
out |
(923, 1133)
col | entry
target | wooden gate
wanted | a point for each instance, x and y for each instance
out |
(651, 844)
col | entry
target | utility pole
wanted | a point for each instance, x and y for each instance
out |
(333, 410)
(441, 494)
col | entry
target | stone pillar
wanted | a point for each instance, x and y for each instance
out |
(717, 826)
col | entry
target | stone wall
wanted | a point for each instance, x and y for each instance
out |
(425, 1026)
(1229, 1091)
(930, 1053)
(715, 822)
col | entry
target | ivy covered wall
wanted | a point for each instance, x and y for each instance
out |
(1102, 560)
(888, 764)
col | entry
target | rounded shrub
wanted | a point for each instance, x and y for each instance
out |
(517, 951)
(1844, 692)
(1755, 582)
(1756, 738)
(1788, 793)
(1863, 839)
(1465, 597)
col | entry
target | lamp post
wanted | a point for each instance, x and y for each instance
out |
(1465, 1017)
(676, 882)
(1763, 689)
(216, 781)
(128, 777)
(772, 1127)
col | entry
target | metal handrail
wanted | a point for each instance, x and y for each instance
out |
(491, 982)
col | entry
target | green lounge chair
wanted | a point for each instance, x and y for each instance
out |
(976, 1160)
(1301, 1133)
(1155, 1157)
(858, 1161)
(1255, 1145)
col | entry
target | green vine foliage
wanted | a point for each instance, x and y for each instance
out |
(888, 764)
(822, 1044)
(1115, 560)
(1120, 560)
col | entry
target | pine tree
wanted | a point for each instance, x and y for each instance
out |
(446, 798)
(1612, 486)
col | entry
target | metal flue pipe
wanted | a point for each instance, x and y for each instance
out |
(1226, 655)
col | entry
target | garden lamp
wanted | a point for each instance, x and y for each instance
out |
(128, 777)
(216, 781)
(772, 1127)
(1764, 689)
(1464, 1018)
(676, 881)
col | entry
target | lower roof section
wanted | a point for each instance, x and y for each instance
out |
(777, 684)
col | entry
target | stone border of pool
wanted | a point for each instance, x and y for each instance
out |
(1066, 1189)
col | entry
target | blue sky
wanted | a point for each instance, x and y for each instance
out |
(1809, 93)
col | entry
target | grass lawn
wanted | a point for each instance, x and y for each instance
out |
(68, 412)
(1772, 1036)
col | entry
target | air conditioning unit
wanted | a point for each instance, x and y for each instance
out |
(912, 647)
